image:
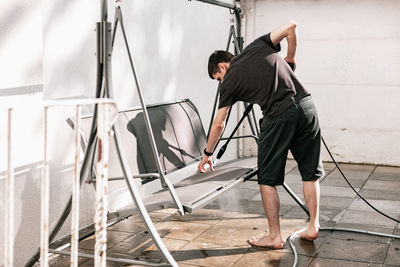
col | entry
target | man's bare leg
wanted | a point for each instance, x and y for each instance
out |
(270, 200)
(311, 195)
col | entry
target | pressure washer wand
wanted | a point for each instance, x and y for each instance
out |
(223, 148)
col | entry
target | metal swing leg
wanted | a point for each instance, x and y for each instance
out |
(117, 138)
(164, 180)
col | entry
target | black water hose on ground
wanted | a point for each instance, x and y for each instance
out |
(295, 234)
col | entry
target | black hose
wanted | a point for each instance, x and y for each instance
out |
(295, 234)
(352, 187)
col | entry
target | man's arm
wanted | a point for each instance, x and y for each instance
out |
(217, 128)
(288, 31)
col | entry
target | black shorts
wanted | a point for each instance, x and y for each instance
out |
(296, 129)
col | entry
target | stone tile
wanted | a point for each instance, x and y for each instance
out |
(391, 208)
(204, 216)
(134, 223)
(182, 230)
(242, 192)
(295, 212)
(329, 166)
(330, 214)
(285, 209)
(288, 227)
(290, 165)
(335, 202)
(217, 234)
(294, 172)
(335, 191)
(382, 185)
(385, 173)
(357, 168)
(393, 256)
(353, 251)
(224, 235)
(91, 263)
(380, 194)
(305, 247)
(367, 218)
(62, 260)
(151, 252)
(356, 174)
(113, 238)
(258, 258)
(209, 254)
(287, 199)
(131, 225)
(340, 182)
(255, 222)
(165, 211)
(293, 179)
(295, 186)
(135, 245)
(324, 262)
(253, 206)
(360, 236)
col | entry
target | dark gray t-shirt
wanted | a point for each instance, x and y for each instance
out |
(259, 75)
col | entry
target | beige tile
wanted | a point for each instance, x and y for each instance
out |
(209, 254)
(182, 230)
(252, 221)
(171, 244)
(202, 216)
(259, 258)
(225, 235)
(113, 238)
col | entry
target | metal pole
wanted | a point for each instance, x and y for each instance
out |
(165, 181)
(45, 198)
(9, 198)
(101, 185)
(75, 191)
(125, 166)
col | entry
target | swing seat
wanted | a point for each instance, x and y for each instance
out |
(180, 139)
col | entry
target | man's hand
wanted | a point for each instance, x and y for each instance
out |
(288, 31)
(291, 62)
(205, 160)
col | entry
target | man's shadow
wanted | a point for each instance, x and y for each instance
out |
(171, 156)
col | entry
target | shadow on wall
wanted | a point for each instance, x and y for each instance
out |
(170, 154)
(28, 207)
(26, 210)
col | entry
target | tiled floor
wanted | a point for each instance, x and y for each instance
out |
(216, 235)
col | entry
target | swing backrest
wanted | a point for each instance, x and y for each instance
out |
(178, 133)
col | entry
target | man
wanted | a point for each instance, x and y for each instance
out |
(260, 75)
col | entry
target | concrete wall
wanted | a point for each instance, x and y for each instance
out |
(348, 57)
(47, 50)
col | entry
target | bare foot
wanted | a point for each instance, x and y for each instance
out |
(266, 242)
(310, 233)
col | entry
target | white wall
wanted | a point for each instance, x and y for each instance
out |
(348, 58)
(47, 50)
(21, 84)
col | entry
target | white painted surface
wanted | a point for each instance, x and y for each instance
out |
(348, 58)
(47, 50)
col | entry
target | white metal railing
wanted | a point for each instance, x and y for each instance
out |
(107, 113)
(9, 197)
